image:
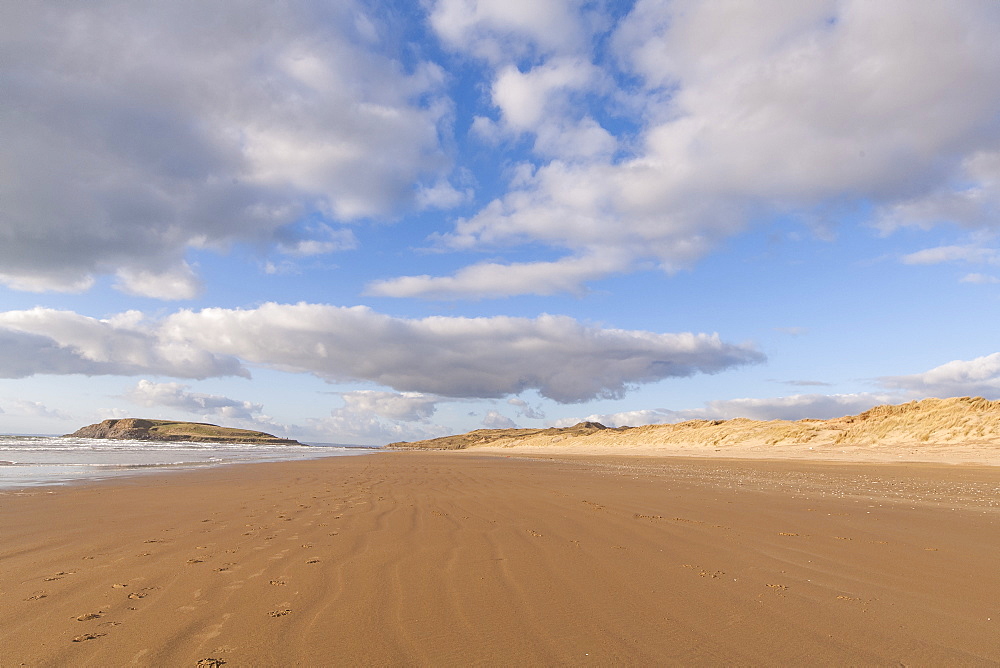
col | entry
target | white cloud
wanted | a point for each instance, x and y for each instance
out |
(399, 406)
(741, 111)
(526, 410)
(454, 357)
(442, 195)
(24, 407)
(319, 239)
(636, 418)
(178, 282)
(500, 30)
(491, 279)
(370, 416)
(979, 376)
(970, 199)
(138, 132)
(941, 254)
(794, 407)
(46, 341)
(545, 101)
(368, 429)
(806, 383)
(177, 396)
(495, 420)
(981, 279)
(54, 281)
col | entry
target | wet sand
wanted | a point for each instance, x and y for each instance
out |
(445, 558)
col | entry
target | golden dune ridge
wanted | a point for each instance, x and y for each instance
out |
(955, 430)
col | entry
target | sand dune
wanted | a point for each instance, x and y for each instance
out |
(957, 430)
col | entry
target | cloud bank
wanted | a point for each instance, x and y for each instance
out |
(453, 357)
(491, 357)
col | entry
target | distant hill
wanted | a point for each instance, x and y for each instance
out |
(138, 429)
(921, 424)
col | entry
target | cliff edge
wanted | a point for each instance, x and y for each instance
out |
(138, 429)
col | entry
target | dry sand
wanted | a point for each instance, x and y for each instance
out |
(455, 558)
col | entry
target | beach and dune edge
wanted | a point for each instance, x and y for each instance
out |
(963, 430)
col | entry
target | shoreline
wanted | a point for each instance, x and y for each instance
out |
(31, 461)
(431, 558)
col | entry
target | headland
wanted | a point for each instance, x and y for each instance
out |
(139, 429)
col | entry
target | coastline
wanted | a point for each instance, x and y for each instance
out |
(442, 558)
(30, 461)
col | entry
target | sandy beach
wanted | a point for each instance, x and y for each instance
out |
(461, 558)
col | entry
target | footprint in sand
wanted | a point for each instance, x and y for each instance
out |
(88, 636)
(278, 583)
(280, 613)
(37, 597)
(313, 561)
(210, 662)
(89, 616)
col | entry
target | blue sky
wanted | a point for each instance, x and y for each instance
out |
(361, 222)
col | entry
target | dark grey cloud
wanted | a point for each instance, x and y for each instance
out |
(492, 357)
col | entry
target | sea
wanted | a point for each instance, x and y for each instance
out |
(32, 461)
